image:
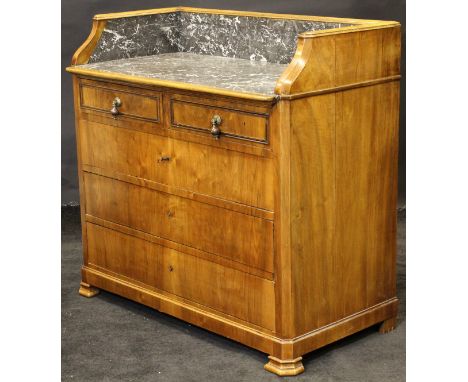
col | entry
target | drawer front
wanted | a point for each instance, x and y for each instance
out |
(208, 170)
(232, 235)
(227, 290)
(248, 125)
(125, 151)
(134, 102)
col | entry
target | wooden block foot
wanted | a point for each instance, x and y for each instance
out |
(87, 290)
(286, 367)
(388, 325)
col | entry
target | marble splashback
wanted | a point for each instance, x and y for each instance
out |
(138, 36)
(254, 38)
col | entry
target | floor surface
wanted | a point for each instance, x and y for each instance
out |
(109, 338)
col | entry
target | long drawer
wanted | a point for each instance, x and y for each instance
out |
(227, 290)
(233, 235)
(208, 170)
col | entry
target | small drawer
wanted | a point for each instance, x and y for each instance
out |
(249, 298)
(120, 101)
(220, 119)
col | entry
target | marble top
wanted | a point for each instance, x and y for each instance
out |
(236, 74)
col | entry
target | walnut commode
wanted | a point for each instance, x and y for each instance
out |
(238, 171)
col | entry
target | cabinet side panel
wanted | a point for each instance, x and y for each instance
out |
(367, 142)
(314, 262)
(343, 202)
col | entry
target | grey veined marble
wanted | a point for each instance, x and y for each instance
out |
(220, 72)
(253, 38)
(138, 36)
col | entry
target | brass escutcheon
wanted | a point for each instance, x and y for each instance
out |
(164, 159)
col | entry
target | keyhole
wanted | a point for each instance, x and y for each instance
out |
(164, 158)
(171, 268)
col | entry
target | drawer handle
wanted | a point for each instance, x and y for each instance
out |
(215, 130)
(116, 103)
(170, 214)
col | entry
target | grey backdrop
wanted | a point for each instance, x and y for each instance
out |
(76, 25)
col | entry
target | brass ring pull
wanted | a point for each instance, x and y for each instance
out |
(116, 103)
(215, 130)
